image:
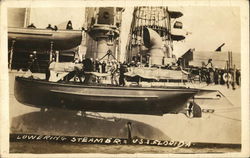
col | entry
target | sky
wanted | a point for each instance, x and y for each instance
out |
(210, 27)
(207, 27)
(41, 17)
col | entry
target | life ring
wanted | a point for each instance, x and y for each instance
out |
(227, 77)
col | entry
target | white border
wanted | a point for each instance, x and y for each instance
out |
(4, 91)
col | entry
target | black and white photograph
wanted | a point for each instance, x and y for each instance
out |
(125, 78)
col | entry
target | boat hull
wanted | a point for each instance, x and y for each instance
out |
(40, 39)
(133, 100)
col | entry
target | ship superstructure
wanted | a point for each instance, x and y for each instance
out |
(103, 28)
(159, 19)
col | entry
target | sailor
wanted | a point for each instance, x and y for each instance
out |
(209, 63)
(69, 26)
(138, 64)
(208, 77)
(31, 26)
(52, 74)
(78, 70)
(103, 66)
(34, 62)
(200, 74)
(113, 72)
(179, 61)
(237, 77)
(134, 58)
(47, 73)
(189, 109)
(83, 29)
(227, 78)
(87, 68)
(147, 65)
(55, 28)
(97, 64)
(216, 76)
(122, 70)
(132, 63)
(138, 58)
(108, 66)
(92, 60)
(49, 27)
(233, 81)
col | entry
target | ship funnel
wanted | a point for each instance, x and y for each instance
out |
(153, 42)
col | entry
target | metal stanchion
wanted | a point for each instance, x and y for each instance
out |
(51, 51)
(129, 132)
(11, 54)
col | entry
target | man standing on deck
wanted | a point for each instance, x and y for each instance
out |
(97, 65)
(103, 65)
(34, 66)
(113, 71)
(122, 70)
(237, 77)
(216, 76)
(47, 73)
(208, 79)
(87, 68)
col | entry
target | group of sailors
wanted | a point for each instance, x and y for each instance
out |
(207, 73)
(116, 70)
(94, 71)
(219, 76)
(210, 75)
(55, 28)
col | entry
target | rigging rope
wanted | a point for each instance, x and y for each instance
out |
(226, 117)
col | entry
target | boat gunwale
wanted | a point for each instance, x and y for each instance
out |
(105, 95)
(183, 89)
(11, 29)
(29, 33)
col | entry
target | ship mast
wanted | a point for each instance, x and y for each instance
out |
(103, 32)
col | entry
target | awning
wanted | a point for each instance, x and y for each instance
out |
(155, 73)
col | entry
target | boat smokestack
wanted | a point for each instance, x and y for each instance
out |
(153, 42)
